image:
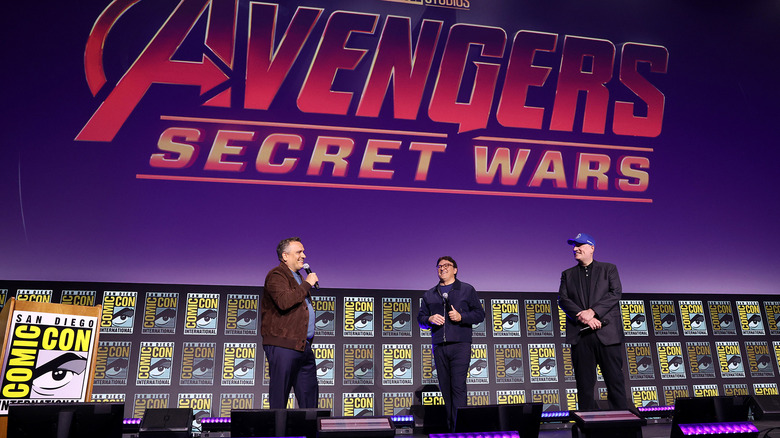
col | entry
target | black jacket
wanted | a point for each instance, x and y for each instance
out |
(604, 299)
(462, 298)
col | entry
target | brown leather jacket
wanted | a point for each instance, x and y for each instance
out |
(284, 316)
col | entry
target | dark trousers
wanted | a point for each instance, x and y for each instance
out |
(291, 369)
(452, 366)
(588, 352)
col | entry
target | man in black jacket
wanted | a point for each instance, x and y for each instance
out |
(590, 296)
(449, 309)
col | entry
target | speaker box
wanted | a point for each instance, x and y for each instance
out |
(765, 407)
(275, 422)
(524, 418)
(65, 420)
(688, 410)
(355, 427)
(166, 423)
(430, 419)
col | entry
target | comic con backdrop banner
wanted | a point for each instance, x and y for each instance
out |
(187, 346)
(177, 141)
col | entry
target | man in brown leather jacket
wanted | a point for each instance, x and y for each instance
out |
(287, 327)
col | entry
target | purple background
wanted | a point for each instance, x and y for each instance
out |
(75, 211)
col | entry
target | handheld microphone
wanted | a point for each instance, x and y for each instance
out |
(604, 323)
(308, 271)
(447, 306)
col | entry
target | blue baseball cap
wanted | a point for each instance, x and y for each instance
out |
(582, 238)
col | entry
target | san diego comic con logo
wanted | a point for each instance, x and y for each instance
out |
(201, 316)
(765, 389)
(78, 297)
(709, 390)
(692, 317)
(561, 322)
(358, 362)
(478, 365)
(326, 401)
(324, 315)
(397, 403)
(325, 361)
(241, 314)
(567, 363)
(750, 319)
(111, 363)
(776, 348)
(479, 330)
(722, 318)
(396, 317)
(477, 398)
(510, 396)
(265, 404)
(506, 317)
(644, 396)
(570, 401)
(397, 364)
(543, 365)
(200, 405)
(664, 319)
(154, 364)
(238, 364)
(538, 317)
(735, 389)
(36, 295)
(142, 402)
(772, 309)
(730, 359)
(670, 360)
(432, 398)
(639, 361)
(49, 356)
(673, 392)
(759, 359)
(634, 317)
(358, 317)
(357, 404)
(427, 366)
(160, 313)
(700, 360)
(108, 398)
(550, 399)
(509, 363)
(118, 314)
(230, 402)
(197, 363)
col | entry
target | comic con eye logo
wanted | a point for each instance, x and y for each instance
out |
(638, 321)
(165, 318)
(513, 366)
(547, 366)
(400, 321)
(324, 368)
(246, 318)
(207, 319)
(668, 320)
(57, 377)
(675, 364)
(543, 321)
(323, 320)
(763, 362)
(509, 322)
(364, 369)
(365, 413)
(644, 364)
(160, 369)
(364, 321)
(244, 369)
(123, 317)
(697, 321)
(735, 363)
(705, 362)
(203, 367)
(117, 367)
(402, 368)
(478, 368)
(726, 319)
(754, 321)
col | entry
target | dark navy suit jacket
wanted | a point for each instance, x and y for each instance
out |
(604, 299)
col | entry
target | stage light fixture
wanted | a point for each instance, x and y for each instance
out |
(556, 416)
(741, 429)
(476, 435)
(404, 424)
(131, 426)
(656, 411)
(215, 424)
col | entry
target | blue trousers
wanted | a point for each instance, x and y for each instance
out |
(452, 366)
(292, 369)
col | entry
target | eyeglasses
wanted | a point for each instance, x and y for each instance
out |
(444, 266)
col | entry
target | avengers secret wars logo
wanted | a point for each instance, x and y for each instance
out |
(248, 58)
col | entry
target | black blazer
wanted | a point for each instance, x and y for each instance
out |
(604, 299)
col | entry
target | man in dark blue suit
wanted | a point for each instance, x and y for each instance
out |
(590, 296)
